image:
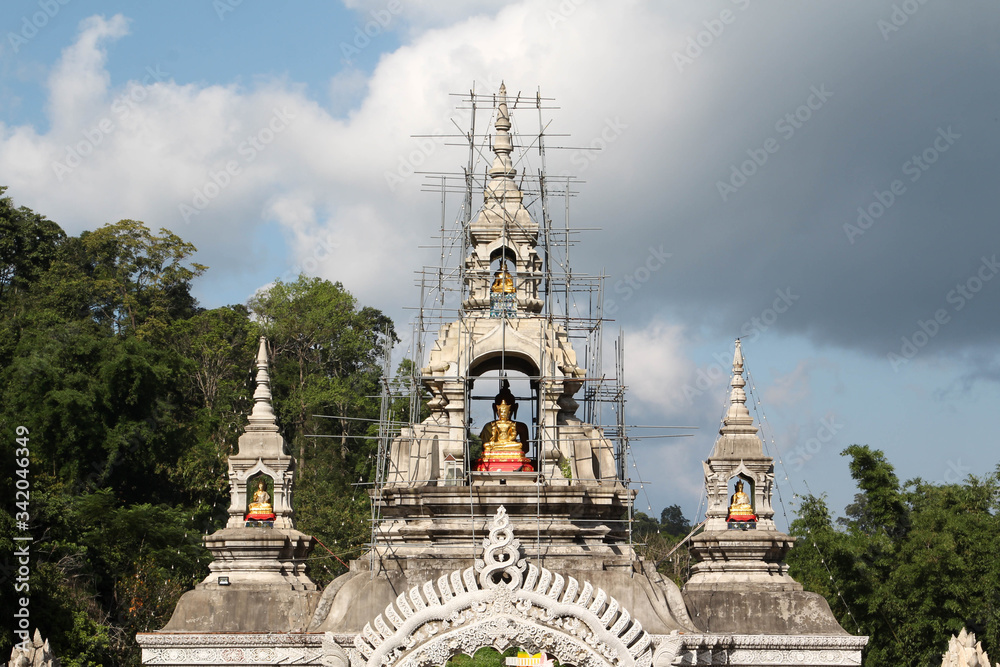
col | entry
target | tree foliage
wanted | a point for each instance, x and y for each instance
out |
(660, 542)
(910, 564)
(134, 396)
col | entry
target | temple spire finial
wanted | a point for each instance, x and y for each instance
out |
(502, 167)
(738, 415)
(262, 417)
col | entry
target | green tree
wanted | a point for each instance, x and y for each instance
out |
(218, 348)
(141, 280)
(327, 356)
(673, 521)
(327, 364)
(659, 542)
(28, 245)
(913, 563)
(85, 366)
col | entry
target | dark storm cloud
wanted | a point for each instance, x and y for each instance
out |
(791, 120)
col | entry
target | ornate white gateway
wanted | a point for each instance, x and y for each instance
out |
(503, 601)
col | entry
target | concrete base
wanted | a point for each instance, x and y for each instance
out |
(450, 521)
(230, 609)
(258, 583)
(762, 612)
(750, 560)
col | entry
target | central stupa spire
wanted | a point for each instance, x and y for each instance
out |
(501, 185)
(503, 230)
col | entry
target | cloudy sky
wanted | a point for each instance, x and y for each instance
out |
(822, 175)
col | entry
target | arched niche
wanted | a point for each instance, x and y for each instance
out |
(749, 488)
(503, 252)
(484, 382)
(251, 488)
(503, 283)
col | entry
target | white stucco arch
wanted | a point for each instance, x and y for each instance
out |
(259, 467)
(503, 601)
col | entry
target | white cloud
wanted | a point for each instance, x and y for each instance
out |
(217, 162)
(79, 82)
(665, 368)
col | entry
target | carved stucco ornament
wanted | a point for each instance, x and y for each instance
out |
(503, 601)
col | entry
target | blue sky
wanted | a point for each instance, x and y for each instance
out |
(740, 137)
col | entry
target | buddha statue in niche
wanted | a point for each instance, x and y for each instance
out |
(503, 296)
(503, 283)
(505, 441)
(260, 508)
(740, 507)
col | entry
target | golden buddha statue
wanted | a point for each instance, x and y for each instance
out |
(261, 504)
(505, 441)
(740, 508)
(503, 283)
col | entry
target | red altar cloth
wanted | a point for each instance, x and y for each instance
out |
(497, 464)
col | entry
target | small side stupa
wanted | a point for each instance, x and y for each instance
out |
(740, 583)
(35, 654)
(258, 580)
(965, 651)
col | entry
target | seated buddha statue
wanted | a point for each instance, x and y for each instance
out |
(503, 283)
(260, 508)
(740, 508)
(504, 441)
